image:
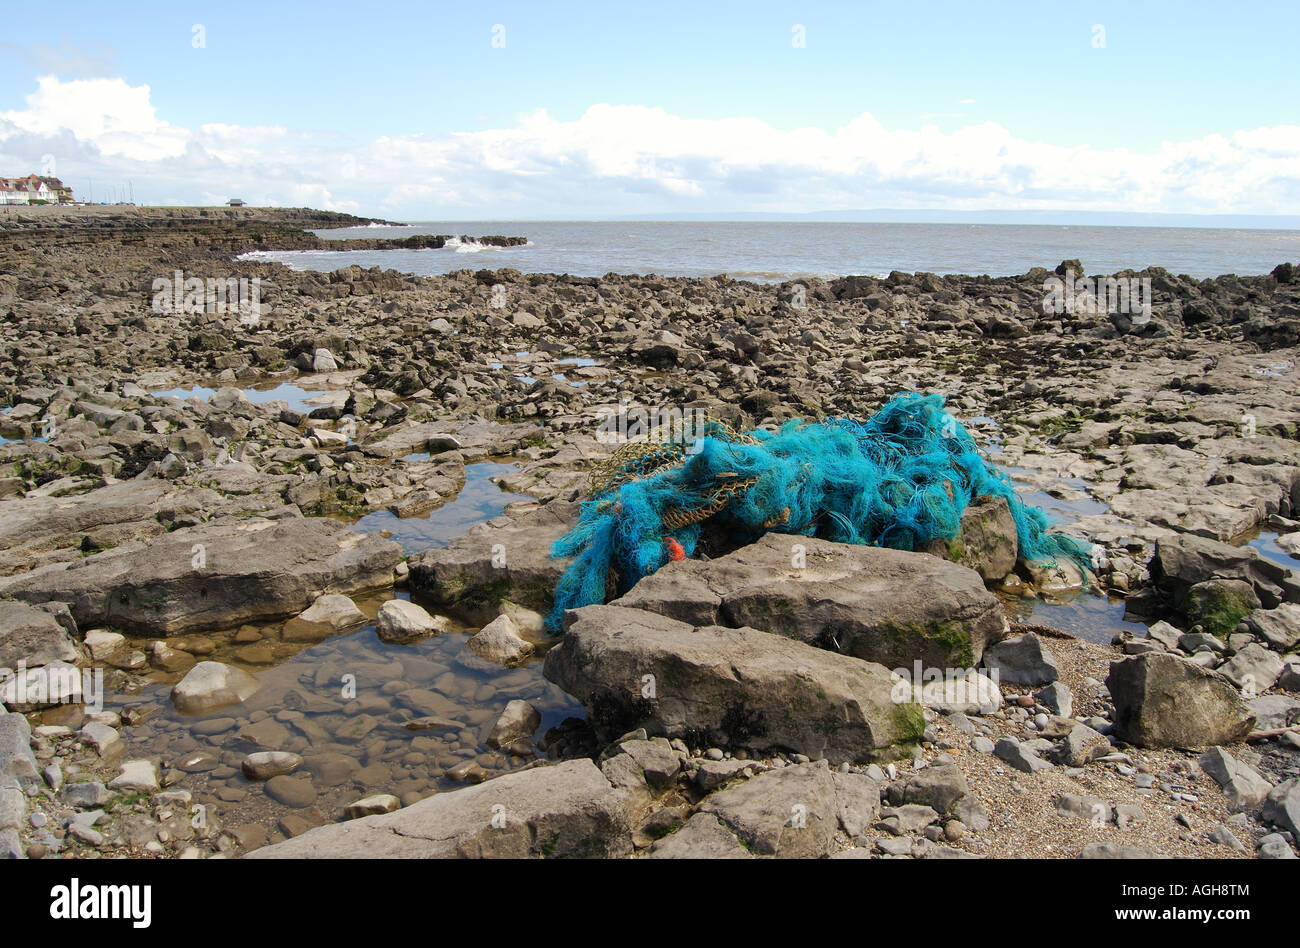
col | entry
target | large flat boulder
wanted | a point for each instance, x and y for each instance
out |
(213, 576)
(32, 636)
(876, 604)
(564, 810)
(496, 561)
(732, 687)
(1184, 561)
(1162, 700)
(32, 527)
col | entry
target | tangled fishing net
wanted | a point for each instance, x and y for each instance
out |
(899, 479)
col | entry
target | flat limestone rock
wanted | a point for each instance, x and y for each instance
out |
(213, 576)
(876, 604)
(742, 687)
(32, 526)
(563, 810)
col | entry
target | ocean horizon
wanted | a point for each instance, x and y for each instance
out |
(777, 251)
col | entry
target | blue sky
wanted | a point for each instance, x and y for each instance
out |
(310, 102)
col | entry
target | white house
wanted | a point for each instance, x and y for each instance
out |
(11, 194)
(26, 191)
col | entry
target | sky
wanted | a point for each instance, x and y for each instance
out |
(508, 111)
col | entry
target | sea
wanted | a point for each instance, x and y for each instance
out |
(774, 252)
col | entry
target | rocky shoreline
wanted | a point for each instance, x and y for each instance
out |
(219, 555)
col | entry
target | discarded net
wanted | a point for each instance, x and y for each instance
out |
(899, 479)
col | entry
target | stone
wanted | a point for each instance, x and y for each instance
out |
(90, 794)
(1273, 846)
(253, 570)
(880, 605)
(1081, 746)
(1165, 634)
(294, 792)
(1254, 669)
(263, 765)
(32, 637)
(1282, 807)
(703, 836)
(1280, 627)
(499, 642)
(328, 615)
(556, 811)
(370, 806)
(857, 802)
(136, 775)
(729, 687)
(1183, 560)
(898, 847)
(968, 692)
(1094, 810)
(519, 720)
(656, 758)
(401, 621)
(938, 787)
(1275, 711)
(1218, 605)
(1195, 642)
(1244, 788)
(1116, 851)
(99, 736)
(986, 541)
(972, 813)
(1126, 814)
(268, 733)
(101, 643)
(1224, 837)
(169, 659)
(1057, 697)
(790, 812)
(1019, 756)
(712, 774)
(1021, 660)
(908, 818)
(211, 685)
(1162, 700)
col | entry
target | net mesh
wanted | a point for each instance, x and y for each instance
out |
(898, 479)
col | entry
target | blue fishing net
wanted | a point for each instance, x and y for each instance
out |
(898, 479)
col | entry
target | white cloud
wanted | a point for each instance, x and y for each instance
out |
(630, 159)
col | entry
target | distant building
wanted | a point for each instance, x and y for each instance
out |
(235, 202)
(34, 189)
(62, 193)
